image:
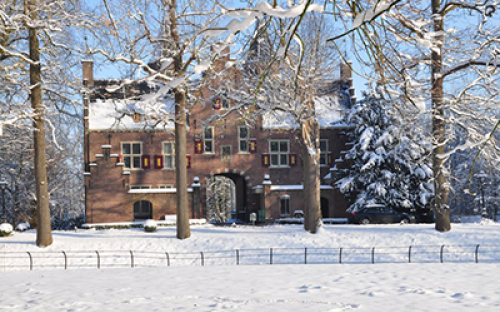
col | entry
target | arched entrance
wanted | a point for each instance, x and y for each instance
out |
(325, 207)
(143, 210)
(225, 198)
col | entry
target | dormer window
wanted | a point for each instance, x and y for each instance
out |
(220, 102)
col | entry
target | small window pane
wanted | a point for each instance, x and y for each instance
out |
(243, 146)
(127, 162)
(208, 147)
(323, 145)
(274, 146)
(208, 133)
(136, 148)
(126, 149)
(322, 159)
(284, 159)
(169, 162)
(137, 162)
(243, 132)
(284, 146)
(274, 160)
(167, 148)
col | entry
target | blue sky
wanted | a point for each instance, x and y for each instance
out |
(111, 71)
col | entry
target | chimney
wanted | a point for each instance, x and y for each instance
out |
(88, 73)
(346, 76)
(345, 71)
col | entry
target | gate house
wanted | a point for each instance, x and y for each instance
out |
(129, 160)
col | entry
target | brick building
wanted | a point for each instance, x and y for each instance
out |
(129, 163)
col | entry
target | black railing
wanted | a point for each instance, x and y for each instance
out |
(72, 259)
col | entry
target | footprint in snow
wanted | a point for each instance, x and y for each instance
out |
(461, 295)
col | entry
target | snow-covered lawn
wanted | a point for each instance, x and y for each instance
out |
(379, 287)
(208, 237)
(357, 287)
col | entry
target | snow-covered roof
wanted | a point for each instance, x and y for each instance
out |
(330, 106)
(156, 191)
(143, 114)
(296, 187)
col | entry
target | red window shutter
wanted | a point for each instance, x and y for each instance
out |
(217, 103)
(198, 146)
(137, 117)
(252, 146)
(292, 159)
(266, 160)
(188, 161)
(158, 162)
(146, 162)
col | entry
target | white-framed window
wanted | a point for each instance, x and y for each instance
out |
(132, 153)
(243, 137)
(225, 152)
(284, 205)
(165, 186)
(323, 157)
(280, 152)
(140, 187)
(208, 140)
(168, 150)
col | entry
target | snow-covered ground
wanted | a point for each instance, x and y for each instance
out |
(379, 287)
(208, 237)
(296, 287)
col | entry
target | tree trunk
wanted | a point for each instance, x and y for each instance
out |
(312, 196)
(43, 232)
(441, 183)
(183, 230)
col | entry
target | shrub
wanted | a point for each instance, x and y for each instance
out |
(150, 225)
(21, 227)
(5, 229)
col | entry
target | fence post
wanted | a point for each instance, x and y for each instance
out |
(305, 255)
(270, 256)
(168, 258)
(98, 260)
(202, 259)
(65, 261)
(131, 259)
(31, 260)
(442, 248)
(409, 254)
(237, 257)
(340, 255)
(477, 251)
(373, 255)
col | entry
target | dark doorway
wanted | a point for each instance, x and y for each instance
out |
(325, 208)
(143, 210)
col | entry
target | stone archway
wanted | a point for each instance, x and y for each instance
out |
(239, 182)
(221, 199)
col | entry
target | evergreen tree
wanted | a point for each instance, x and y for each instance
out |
(389, 164)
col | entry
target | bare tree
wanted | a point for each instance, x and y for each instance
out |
(430, 56)
(173, 32)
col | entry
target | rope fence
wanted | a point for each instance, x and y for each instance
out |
(100, 259)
